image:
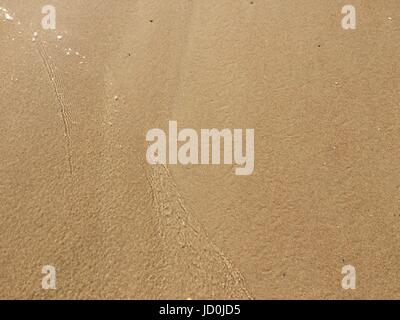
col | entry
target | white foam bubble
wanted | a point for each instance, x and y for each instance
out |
(34, 36)
(8, 17)
(6, 14)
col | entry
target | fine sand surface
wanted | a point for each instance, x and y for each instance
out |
(77, 193)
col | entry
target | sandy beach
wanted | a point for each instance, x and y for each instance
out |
(77, 193)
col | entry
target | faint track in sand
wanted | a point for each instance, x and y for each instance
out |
(190, 253)
(59, 92)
